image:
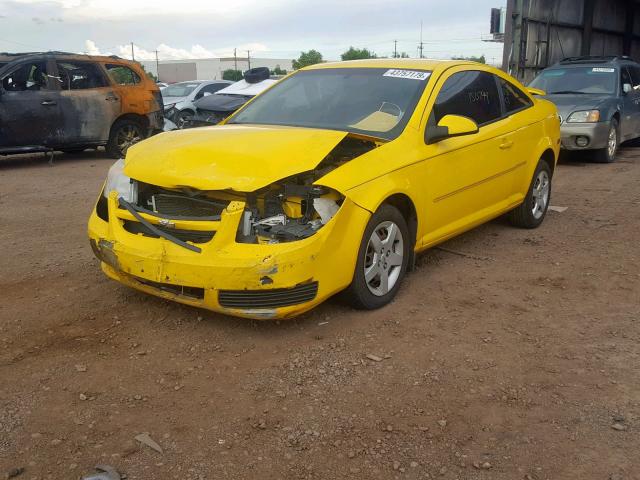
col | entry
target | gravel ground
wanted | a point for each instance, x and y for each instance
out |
(517, 361)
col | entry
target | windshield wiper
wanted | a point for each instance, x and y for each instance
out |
(566, 91)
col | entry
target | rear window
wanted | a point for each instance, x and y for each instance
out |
(122, 75)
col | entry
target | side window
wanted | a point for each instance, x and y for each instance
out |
(214, 87)
(80, 76)
(635, 76)
(30, 76)
(471, 94)
(122, 75)
(625, 77)
(514, 98)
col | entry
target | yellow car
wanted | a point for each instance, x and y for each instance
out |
(332, 179)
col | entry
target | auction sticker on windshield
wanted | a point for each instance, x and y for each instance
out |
(411, 74)
(603, 70)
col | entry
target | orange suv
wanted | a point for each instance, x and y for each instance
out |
(62, 101)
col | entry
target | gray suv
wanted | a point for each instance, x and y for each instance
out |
(598, 99)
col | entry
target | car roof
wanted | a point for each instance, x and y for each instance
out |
(403, 63)
(588, 60)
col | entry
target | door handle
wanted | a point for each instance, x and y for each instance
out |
(506, 144)
(48, 102)
(112, 99)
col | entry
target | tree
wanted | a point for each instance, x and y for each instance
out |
(400, 55)
(233, 75)
(278, 71)
(479, 59)
(307, 58)
(357, 54)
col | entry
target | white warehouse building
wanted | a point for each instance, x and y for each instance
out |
(171, 71)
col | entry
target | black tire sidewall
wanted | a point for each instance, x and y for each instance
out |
(359, 293)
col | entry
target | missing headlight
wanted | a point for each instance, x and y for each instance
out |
(286, 213)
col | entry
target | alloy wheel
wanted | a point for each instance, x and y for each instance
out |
(383, 258)
(127, 136)
(612, 142)
(540, 194)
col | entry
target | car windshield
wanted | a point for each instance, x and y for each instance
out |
(576, 80)
(179, 89)
(371, 101)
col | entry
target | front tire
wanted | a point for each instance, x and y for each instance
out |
(608, 154)
(531, 212)
(124, 134)
(382, 262)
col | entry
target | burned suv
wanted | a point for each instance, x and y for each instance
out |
(598, 99)
(62, 101)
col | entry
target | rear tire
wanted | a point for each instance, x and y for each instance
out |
(608, 154)
(382, 262)
(124, 134)
(531, 212)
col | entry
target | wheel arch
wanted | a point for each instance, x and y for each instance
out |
(140, 119)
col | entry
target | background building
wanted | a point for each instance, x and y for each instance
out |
(538, 33)
(171, 71)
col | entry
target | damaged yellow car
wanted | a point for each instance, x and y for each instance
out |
(331, 180)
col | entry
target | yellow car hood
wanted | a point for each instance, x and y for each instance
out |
(237, 157)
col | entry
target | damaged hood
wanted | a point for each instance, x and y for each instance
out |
(243, 158)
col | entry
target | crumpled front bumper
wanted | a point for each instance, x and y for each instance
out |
(308, 271)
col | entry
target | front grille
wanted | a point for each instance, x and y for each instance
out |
(184, 206)
(194, 236)
(191, 292)
(277, 297)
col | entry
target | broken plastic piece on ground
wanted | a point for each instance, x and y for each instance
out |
(149, 442)
(553, 208)
(105, 472)
(14, 472)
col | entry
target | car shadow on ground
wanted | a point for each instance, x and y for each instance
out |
(35, 160)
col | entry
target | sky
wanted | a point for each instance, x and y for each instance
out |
(268, 28)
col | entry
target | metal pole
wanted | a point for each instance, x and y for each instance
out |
(395, 49)
(157, 66)
(133, 57)
(249, 59)
(235, 60)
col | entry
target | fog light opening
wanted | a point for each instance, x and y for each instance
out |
(582, 141)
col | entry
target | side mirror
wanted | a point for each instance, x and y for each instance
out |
(536, 91)
(626, 88)
(450, 126)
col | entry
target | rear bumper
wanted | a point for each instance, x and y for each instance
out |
(246, 280)
(596, 133)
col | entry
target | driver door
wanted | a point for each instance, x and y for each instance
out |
(30, 114)
(470, 177)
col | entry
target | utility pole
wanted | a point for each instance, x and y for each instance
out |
(157, 66)
(249, 59)
(133, 57)
(395, 49)
(235, 60)
(421, 47)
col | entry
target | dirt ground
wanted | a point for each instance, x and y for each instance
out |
(519, 361)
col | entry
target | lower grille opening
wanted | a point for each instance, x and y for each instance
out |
(277, 297)
(191, 292)
(194, 236)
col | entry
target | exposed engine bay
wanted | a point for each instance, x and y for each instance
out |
(289, 210)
